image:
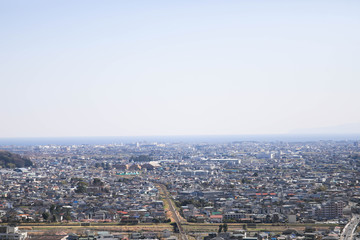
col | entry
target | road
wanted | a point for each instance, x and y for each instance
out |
(349, 229)
(173, 211)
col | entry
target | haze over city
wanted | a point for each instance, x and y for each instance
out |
(180, 120)
(141, 68)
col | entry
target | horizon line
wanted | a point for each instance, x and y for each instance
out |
(190, 135)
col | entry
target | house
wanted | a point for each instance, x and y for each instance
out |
(9, 232)
(216, 218)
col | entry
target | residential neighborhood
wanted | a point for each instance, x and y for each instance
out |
(240, 184)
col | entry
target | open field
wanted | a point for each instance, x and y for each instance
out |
(63, 229)
(188, 227)
(206, 227)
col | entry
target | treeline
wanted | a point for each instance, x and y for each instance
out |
(197, 203)
(12, 160)
(141, 158)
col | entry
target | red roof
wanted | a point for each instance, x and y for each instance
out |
(122, 212)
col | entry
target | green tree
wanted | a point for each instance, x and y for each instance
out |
(45, 215)
(67, 215)
(10, 165)
(97, 182)
(225, 227)
(12, 160)
(81, 187)
(141, 158)
(155, 220)
(275, 218)
(52, 208)
(321, 188)
(220, 228)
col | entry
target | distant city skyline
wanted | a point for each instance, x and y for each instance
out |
(161, 68)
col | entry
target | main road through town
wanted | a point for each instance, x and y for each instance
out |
(350, 227)
(172, 208)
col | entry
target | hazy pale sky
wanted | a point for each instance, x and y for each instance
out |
(124, 68)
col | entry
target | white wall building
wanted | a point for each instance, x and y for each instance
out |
(12, 233)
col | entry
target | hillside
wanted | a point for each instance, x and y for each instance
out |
(12, 160)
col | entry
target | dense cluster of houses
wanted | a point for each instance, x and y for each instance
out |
(241, 182)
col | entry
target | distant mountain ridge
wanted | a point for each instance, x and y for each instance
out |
(12, 160)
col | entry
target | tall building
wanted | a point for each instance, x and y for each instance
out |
(331, 210)
(13, 233)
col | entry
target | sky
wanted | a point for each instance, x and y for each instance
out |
(144, 68)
